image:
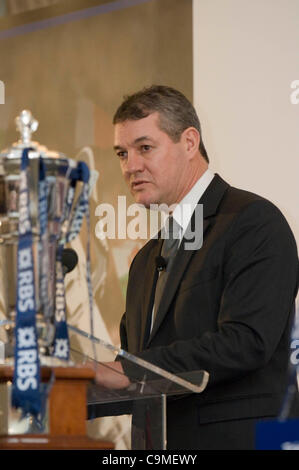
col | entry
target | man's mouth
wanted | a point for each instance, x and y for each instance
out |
(136, 184)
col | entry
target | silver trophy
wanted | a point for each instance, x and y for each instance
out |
(43, 200)
(57, 168)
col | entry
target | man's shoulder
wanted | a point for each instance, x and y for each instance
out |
(243, 201)
(243, 210)
(251, 213)
(241, 198)
(223, 198)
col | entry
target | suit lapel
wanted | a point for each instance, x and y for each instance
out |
(180, 264)
(150, 279)
(210, 201)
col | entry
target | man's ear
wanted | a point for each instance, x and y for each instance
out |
(190, 139)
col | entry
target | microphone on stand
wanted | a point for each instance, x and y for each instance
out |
(161, 263)
(69, 260)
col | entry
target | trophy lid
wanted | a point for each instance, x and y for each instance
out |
(27, 125)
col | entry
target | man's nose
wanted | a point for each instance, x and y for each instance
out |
(135, 162)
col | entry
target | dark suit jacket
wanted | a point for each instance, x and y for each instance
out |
(227, 308)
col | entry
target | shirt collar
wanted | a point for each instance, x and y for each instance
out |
(185, 208)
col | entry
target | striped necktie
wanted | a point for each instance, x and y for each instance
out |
(168, 252)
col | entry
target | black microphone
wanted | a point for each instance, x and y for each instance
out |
(69, 260)
(161, 263)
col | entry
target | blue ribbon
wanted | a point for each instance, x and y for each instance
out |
(26, 381)
(82, 210)
(61, 340)
(43, 241)
(80, 173)
(82, 204)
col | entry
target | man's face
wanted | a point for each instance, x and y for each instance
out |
(153, 166)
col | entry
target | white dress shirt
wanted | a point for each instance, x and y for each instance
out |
(184, 209)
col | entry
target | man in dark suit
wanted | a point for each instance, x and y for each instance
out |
(226, 307)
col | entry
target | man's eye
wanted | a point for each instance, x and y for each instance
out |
(145, 148)
(121, 154)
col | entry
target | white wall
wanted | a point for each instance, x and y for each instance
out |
(245, 59)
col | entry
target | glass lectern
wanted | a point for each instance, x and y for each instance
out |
(146, 396)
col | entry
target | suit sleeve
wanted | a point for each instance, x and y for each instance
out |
(122, 326)
(123, 333)
(260, 284)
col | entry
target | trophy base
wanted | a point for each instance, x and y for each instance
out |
(11, 420)
(62, 416)
(66, 418)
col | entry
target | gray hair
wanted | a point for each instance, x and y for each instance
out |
(176, 113)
